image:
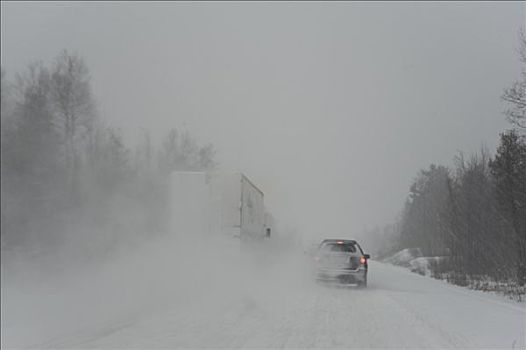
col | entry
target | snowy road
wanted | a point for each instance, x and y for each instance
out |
(399, 309)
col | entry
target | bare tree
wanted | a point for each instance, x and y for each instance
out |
(206, 157)
(31, 167)
(74, 107)
(516, 94)
(180, 151)
(4, 95)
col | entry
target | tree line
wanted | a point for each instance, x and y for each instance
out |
(67, 177)
(472, 215)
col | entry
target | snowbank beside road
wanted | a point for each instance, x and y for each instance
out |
(413, 260)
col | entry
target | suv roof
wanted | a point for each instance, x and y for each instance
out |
(339, 240)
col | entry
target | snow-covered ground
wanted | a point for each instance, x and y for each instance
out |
(243, 305)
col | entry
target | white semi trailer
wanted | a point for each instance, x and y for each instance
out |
(213, 203)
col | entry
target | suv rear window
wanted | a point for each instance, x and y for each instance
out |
(338, 248)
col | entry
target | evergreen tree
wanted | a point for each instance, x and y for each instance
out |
(509, 170)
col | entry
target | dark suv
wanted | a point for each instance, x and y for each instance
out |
(341, 261)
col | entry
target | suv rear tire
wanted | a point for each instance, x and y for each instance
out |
(363, 284)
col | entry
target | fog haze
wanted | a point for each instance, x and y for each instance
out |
(169, 170)
(330, 107)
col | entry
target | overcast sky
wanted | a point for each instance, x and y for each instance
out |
(331, 108)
